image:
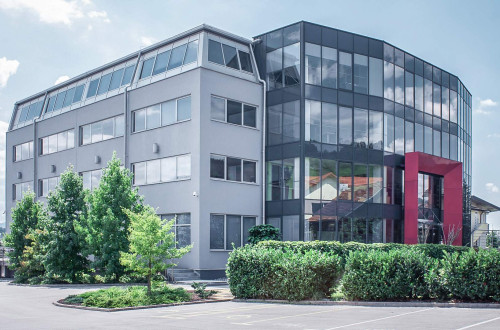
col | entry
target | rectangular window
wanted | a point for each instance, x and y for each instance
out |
(399, 85)
(177, 57)
(313, 121)
(360, 74)
(246, 63)
(23, 151)
(46, 186)
(162, 170)
(127, 75)
(20, 189)
(102, 130)
(453, 106)
(282, 179)
(57, 142)
(445, 103)
(409, 100)
(233, 169)
(428, 140)
(92, 88)
(419, 93)
(91, 179)
(345, 181)
(104, 84)
(181, 228)
(437, 143)
(329, 123)
(147, 68)
(230, 57)
(291, 121)
(233, 112)
(161, 62)
(329, 67)
(291, 64)
(163, 114)
(345, 125)
(409, 140)
(376, 77)
(445, 145)
(399, 135)
(313, 64)
(388, 133)
(360, 128)
(419, 138)
(376, 130)
(229, 230)
(116, 79)
(376, 180)
(360, 192)
(388, 80)
(437, 100)
(428, 96)
(274, 69)
(345, 71)
(215, 52)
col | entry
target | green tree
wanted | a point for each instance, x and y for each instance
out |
(31, 267)
(106, 225)
(27, 216)
(152, 244)
(64, 260)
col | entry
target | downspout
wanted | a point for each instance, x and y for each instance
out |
(35, 148)
(125, 114)
(264, 91)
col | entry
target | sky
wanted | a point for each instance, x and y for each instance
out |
(44, 42)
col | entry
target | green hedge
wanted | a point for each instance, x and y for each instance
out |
(310, 270)
(256, 272)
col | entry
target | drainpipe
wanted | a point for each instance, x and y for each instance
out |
(125, 114)
(264, 91)
(35, 148)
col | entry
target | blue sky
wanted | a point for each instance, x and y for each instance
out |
(44, 41)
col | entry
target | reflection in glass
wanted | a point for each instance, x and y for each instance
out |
(313, 121)
(329, 180)
(291, 64)
(445, 103)
(345, 70)
(345, 181)
(399, 136)
(291, 178)
(388, 133)
(409, 136)
(399, 85)
(345, 125)
(437, 100)
(329, 123)
(445, 145)
(376, 180)
(453, 106)
(428, 140)
(329, 67)
(291, 121)
(388, 80)
(274, 67)
(419, 93)
(360, 183)
(313, 64)
(376, 130)
(419, 138)
(360, 128)
(274, 124)
(376, 77)
(360, 74)
(312, 178)
(428, 96)
(409, 89)
(437, 143)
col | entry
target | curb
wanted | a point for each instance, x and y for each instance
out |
(99, 309)
(375, 303)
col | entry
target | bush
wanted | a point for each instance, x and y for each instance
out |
(394, 275)
(472, 275)
(256, 272)
(261, 233)
(116, 297)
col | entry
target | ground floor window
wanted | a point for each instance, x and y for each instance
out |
(229, 229)
(181, 228)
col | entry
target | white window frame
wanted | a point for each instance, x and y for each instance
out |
(176, 100)
(81, 128)
(160, 159)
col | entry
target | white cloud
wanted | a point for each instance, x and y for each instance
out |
(55, 11)
(484, 106)
(61, 79)
(148, 41)
(99, 14)
(494, 135)
(3, 130)
(492, 187)
(7, 69)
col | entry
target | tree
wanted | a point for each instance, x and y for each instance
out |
(263, 233)
(106, 225)
(31, 267)
(64, 260)
(27, 216)
(152, 244)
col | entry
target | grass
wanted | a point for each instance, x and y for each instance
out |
(116, 297)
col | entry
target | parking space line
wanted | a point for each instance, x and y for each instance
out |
(379, 319)
(215, 312)
(480, 323)
(290, 316)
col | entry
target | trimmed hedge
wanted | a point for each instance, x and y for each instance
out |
(256, 272)
(311, 270)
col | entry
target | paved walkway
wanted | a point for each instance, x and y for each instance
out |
(24, 307)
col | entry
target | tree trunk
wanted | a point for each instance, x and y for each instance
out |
(149, 279)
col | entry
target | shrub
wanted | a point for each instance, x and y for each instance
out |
(256, 272)
(261, 233)
(379, 275)
(199, 289)
(472, 275)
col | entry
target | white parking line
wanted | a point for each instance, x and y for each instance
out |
(379, 319)
(480, 323)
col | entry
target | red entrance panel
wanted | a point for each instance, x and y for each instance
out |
(452, 172)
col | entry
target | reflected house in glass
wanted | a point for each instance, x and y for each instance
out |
(307, 128)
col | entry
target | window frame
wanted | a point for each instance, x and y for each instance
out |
(70, 144)
(243, 104)
(178, 178)
(177, 121)
(238, 50)
(164, 216)
(242, 160)
(242, 243)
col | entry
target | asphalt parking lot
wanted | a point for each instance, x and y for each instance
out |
(24, 307)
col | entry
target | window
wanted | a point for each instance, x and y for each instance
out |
(329, 123)
(230, 57)
(233, 112)
(361, 128)
(428, 140)
(161, 62)
(19, 189)
(313, 64)
(233, 169)
(23, 151)
(177, 57)
(428, 96)
(104, 84)
(282, 179)
(437, 100)
(46, 186)
(116, 79)
(419, 138)
(376, 131)
(313, 120)
(181, 228)
(345, 70)
(102, 130)
(399, 136)
(409, 89)
(274, 69)
(291, 64)
(360, 74)
(409, 136)
(388, 80)
(91, 179)
(147, 67)
(57, 142)
(345, 125)
(246, 63)
(388, 133)
(163, 114)
(223, 54)
(162, 170)
(376, 77)
(92, 88)
(215, 52)
(127, 75)
(345, 181)
(419, 93)
(226, 230)
(399, 85)
(329, 67)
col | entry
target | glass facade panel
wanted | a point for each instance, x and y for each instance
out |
(329, 123)
(428, 96)
(376, 77)
(360, 74)
(453, 106)
(274, 68)
(399, 135)
(345, 70)
(345, 181)
(215, 52)
(409, 89)
(345, 125)
(329, 180)
(428, 140)
(437, 100)
(329, 67)
(291, 122)
(388, 133)
(291, 64)
(399, 85)
(312, 179)
(313, 64)
(376, 130)
(376, 180)
(437, 143)
(313, 121)
(445, 103)
(360, 193)
(409, 140)
(360, 128)
(419, 137)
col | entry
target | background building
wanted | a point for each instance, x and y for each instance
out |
(479, 224)
(186, 116)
